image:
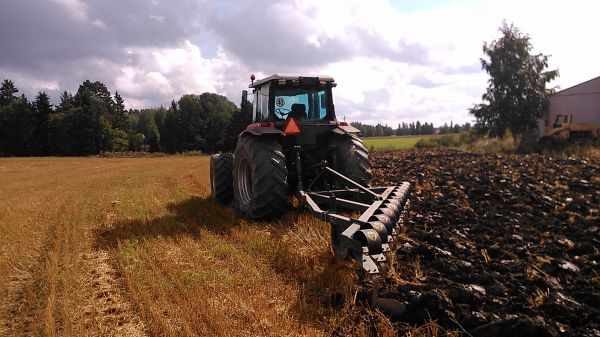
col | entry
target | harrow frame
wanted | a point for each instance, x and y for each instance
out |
(368, 237)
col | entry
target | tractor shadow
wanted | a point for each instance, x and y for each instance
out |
(197, 215)
(186, 218)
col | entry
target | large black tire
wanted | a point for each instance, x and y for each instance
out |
(352, 159)
(259, 178)
(221, 181)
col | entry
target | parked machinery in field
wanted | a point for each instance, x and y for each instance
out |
(563, 130)
(296, 147)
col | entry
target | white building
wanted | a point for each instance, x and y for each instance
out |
(581, 100)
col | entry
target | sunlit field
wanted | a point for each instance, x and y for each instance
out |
(392, 142)
(136, 247)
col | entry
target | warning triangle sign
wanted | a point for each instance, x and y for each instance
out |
(291, 127)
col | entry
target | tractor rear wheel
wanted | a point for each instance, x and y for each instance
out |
(221, 182)
(352, 159)
(259, 178)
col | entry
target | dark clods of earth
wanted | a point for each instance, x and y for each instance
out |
(496, 244)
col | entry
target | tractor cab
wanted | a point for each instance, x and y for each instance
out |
(299, 108)
(280, 97)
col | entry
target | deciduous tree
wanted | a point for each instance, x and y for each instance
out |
(516, 96)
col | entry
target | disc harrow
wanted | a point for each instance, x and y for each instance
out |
(369, 238)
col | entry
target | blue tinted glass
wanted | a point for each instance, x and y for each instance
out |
(320, 98)
(313, 105)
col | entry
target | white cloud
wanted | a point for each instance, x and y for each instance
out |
(167, 73)
(157, 18)
(79, 11)
(383, 91)
(33, 85)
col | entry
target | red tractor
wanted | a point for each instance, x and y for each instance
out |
(295, 147)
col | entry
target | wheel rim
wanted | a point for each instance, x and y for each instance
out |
(245, 182)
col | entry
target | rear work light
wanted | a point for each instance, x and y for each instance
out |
(261, 125)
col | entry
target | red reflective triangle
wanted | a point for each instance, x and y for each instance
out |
(291, 127)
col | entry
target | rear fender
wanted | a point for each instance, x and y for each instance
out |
(345, 129)
(254, 130)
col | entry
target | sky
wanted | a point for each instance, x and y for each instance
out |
(394, 60)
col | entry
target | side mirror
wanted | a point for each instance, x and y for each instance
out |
(244, 97)
(246, 106)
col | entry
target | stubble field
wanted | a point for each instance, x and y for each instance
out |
(135, 247)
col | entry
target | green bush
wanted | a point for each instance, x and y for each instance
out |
(426, 143)
(448, 140)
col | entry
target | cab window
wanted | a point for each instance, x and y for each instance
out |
(263, 104)
(301, 103)
(254, 106)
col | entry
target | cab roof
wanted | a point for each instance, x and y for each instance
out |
(290, 77)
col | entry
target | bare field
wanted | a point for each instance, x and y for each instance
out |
(135, 247)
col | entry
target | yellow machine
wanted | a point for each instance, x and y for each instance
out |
(563, 129)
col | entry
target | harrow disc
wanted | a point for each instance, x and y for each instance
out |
(369, 238)
(389, 213)
(384, 219)
(402, 192)
(379, 227)
(393, 207)
(395, 200)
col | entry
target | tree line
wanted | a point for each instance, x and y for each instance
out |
(409, 129)
(92, 121)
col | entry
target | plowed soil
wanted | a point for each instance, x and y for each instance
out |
(506, 245)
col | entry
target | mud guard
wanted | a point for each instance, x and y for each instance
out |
(259, 131)
(345, 129)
